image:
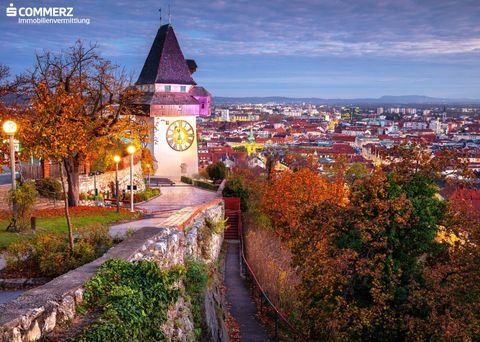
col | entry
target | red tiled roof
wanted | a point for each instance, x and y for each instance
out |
(466, 198)
(343, 137)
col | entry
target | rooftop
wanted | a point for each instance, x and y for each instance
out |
(165, 62)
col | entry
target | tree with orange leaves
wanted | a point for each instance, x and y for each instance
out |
(449, 294)
(291, 194)
(58, 131)
(101, 107)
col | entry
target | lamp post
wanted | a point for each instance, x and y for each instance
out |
(117, 159)
(95, 185)
(10, 128)
(131, 150)
(148, 168)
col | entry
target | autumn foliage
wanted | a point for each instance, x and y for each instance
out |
(370, 263)
(82, 106)
(291, 194)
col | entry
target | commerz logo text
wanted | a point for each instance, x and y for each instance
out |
(44, 15)
(39, 11)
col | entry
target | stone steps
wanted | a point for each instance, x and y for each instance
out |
(232, 233)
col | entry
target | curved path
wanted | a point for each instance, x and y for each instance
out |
(241, 304)
(159, 209)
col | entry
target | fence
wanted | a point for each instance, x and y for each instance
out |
(35, 171)
(30, 171)
(283, 330)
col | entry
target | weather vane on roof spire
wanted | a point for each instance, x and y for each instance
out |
(169, 15)
(160, 10)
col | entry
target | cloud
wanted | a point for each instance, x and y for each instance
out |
(431, 47)
(377, 41)
(276, 27)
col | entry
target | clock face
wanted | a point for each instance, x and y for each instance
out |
(180, 135)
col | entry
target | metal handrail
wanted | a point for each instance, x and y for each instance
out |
(262, 291)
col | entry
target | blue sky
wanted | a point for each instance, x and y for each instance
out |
(301, 48)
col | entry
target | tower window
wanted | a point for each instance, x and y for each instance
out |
(168, 88)
(183, 89)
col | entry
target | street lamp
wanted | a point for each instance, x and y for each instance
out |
(148, 168)
(131, 150)
(117, 159)
(10, 128)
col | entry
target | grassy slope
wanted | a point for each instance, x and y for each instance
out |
(58, 224)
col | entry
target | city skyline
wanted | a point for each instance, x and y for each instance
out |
(302, 49)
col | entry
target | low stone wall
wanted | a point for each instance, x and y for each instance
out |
(106, 181)
(38, 311)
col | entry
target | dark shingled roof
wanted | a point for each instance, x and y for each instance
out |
(199, 91)
(192, 65)
(165, 62)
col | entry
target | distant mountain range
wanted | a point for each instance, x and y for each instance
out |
(384, 100)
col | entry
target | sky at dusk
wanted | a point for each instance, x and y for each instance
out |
(308, 48)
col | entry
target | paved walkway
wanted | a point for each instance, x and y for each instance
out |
(7, 296)
(242, 306)
(176, 201)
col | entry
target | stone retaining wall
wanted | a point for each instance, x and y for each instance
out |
(38, 311)
(106, 181)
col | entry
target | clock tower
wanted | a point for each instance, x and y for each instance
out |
(172, 101)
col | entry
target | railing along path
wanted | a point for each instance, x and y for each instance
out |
(278, 316)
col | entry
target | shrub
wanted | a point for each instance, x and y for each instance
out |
(205, 185)
(52, 255)
(49, 255)
(133, 298)
(24, 198)
(236, 187)
(83, 196)
(186, 180)
(49, 187)
(146, 194)
(196, 280)
(271, 261)
(205, 234)
(215, 227)
(217, 171)
(98, 236)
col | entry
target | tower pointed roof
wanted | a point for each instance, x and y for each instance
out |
(165, 62)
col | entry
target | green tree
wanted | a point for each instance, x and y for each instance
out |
(217, 171)
(356, 171)
(236, 186)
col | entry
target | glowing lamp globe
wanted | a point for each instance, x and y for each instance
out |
(117, 159)
(10, 127)
(131, 149)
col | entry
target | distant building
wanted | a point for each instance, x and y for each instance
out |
(225, 114)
